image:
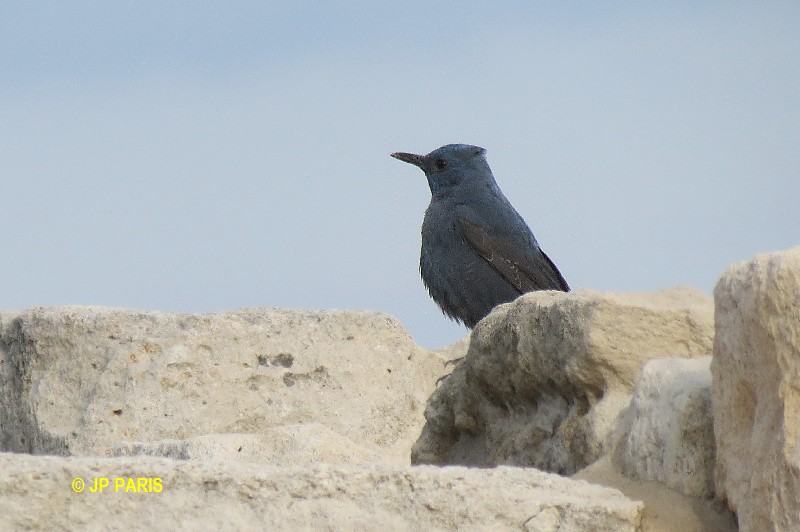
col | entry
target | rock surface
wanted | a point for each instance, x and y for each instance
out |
(667, 432)
(305, 419)
(78, 380)
(288, 393)
(306, 443)
(35, 492)
(756, 391)
(665, 510)
(546, 376)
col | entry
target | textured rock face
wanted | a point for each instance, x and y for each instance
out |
(546, 376)
(36, 492)
(243, 416)
(288, 419)
(756, 391)
(665, 510)
(305, 443)
(78, 381)
(667, 432)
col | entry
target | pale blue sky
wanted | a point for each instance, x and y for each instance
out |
(207, 156)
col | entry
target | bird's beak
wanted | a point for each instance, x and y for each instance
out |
(410, 158)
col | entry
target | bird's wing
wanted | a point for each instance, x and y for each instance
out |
(525, 267)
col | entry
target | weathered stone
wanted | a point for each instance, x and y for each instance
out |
(80, 380)
(35, 492)
(454, 351)
(546, 376)
(756, 390)
(306, 443)
(667, 432)
(665, 510)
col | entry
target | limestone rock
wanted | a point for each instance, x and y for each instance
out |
(80, 380)
(546, 376)
(35, 492)
(306, 443)
(665, 510)
(756, 390)
(454, 351)
(667, 432)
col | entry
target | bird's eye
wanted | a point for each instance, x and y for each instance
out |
(441, 164)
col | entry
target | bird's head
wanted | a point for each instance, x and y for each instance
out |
(451, 167)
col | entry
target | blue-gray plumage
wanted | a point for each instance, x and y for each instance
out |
(477, 251)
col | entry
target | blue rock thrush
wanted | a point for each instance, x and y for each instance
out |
(477, 251)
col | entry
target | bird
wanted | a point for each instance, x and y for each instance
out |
(477, 251)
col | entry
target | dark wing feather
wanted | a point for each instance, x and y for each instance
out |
(524, 267)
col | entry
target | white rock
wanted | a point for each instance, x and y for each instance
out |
(80, 380)
(547, 375)
(35, 492)
(756, 390)
(665, 510)
(306, 443)
(667, 432)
